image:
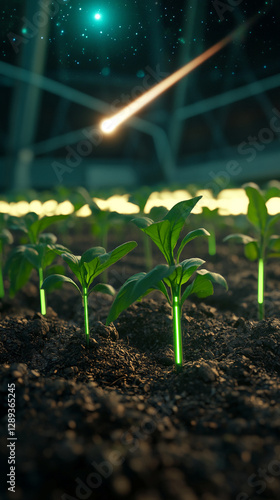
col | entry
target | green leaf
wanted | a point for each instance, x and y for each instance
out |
(210, 214)
(110, 258)
(6, 237)
(165, 233)
(191, 236)
(59, 249)
(18, 223)
(19, 269)
(272, 191)
(135, 287)
(92, 254)
(272, 220)
(54, 281)
(142, 222)
(38, 226)
(47, 238)
(177, 217)
(32, 255)
(160, 234)
(189, 267)
(95, 260)
(183, 271)
(274, 243)
(73, 262)
(57, 269)
(251, 250)
(160, 286)
(201, 287)
(89, 264)
(5, 220)
(239, 238)
(48, 255)
(273, 255)
(103, 288)
(140, 197)
(216, 278)
(257, 211)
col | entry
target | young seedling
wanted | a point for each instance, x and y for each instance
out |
(102, 222)
(37, 256)
(86, 268)
(211, 216)
(174, 274)
(6, 238)
(264, 245)
(33, 226)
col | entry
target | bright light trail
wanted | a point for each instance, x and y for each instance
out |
(110, 124)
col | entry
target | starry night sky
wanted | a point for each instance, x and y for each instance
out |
(114, 37)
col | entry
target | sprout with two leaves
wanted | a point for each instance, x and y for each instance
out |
(39, 253)
(37, 256)
(265, 245)
(86, 268)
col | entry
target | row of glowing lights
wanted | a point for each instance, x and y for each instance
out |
(228, 202)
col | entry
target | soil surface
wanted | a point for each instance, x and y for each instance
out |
(115, 421)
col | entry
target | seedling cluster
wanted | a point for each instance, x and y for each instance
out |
(176, 279)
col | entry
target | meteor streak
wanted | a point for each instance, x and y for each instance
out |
(110, 124)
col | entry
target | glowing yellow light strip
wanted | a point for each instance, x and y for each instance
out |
(110, 124)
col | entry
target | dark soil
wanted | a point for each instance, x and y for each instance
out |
(115, 421)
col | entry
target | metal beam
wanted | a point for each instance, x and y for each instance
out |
(26, 103)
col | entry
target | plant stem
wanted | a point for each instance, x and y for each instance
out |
(42, 292)
(212, 242)
(261, 288)
(85, 303)
(177, 333)
(148, 253)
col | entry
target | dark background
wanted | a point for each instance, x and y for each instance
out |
(42, 131)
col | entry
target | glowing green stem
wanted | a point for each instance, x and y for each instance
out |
(85, 303)
(42, 292)
(261, 289)
(212, 242)
(178, 348)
